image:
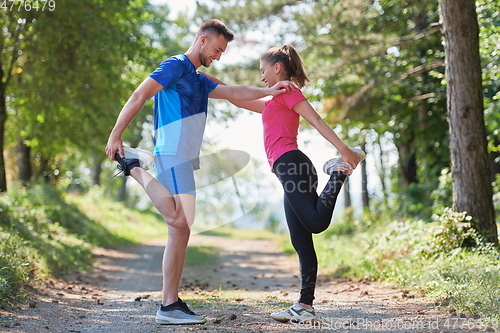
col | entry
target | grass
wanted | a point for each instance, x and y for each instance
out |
(201, 255)
(424, 256)
(126, 225)
(45, 232)
(242, 233)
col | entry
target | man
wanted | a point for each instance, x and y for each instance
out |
(181, 99)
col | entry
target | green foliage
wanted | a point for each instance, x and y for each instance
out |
(442, 196)
(240, 233)
(201, 255)
(273, 223)
(71, 68)
(376, 67)
(40, 220)
(496, 196)
(68, 71)
(412, 201)
(121, 224)
(425, 256)
(13, 269)
(466, 280)
(346, 225)
(44, 232)
(454, 230)
(489, 33)
(33, 243)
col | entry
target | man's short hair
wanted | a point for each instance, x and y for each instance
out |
(216, 26)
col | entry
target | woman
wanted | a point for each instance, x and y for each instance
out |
(306, 212)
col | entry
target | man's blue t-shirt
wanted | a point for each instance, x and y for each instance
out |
(180, 109)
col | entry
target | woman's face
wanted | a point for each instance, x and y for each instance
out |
(269, 74)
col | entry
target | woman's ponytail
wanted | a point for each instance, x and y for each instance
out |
(291, 62)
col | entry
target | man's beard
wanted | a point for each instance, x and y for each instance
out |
(204, 60)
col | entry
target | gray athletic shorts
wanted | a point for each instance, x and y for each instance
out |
(176, 173)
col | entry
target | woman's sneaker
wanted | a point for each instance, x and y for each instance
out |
(338, 164)
(134, 157)
(295, 313)
(177, 313)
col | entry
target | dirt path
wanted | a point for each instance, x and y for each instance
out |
(237, 294)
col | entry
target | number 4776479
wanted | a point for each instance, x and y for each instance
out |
(28, 5)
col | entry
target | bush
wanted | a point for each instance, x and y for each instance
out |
(14, 268)
(44, 232)
(426, 256)
(452, 230)
(442, 197)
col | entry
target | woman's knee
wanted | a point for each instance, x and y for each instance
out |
(318, 229)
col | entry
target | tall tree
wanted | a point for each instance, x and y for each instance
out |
(489, 35)
(70, 68)
(15, 33)
(376, 65)
(365, 198)
(472, 191)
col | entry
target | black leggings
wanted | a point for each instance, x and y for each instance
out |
(306, 212)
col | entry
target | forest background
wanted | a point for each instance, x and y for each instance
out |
(427, 195)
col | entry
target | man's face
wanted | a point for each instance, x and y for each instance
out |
(212, 48)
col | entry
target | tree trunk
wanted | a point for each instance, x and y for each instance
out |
(97, 170)
(472, 191)
(122, 193)
(347, 195)
(365, 199)
(3, 118)
(407, 161)
(24, 162)
(44, 168)
(383, 173)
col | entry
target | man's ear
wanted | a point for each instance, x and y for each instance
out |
(203, 39)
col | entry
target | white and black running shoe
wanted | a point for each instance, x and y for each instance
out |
(177, 313)
(145, 157)
(296, 313)
(338, 164)
(134, 157)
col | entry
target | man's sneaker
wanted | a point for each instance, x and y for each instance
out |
(177, 313)
(134, 157)
(295, 313)
(145, 157)
(338, 164)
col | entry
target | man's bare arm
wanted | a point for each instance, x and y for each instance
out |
(245, 93)
(147, 89)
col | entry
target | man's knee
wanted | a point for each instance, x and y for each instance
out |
(179, 232)
(177, 220)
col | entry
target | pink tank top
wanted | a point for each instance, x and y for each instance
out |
(281, 124)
